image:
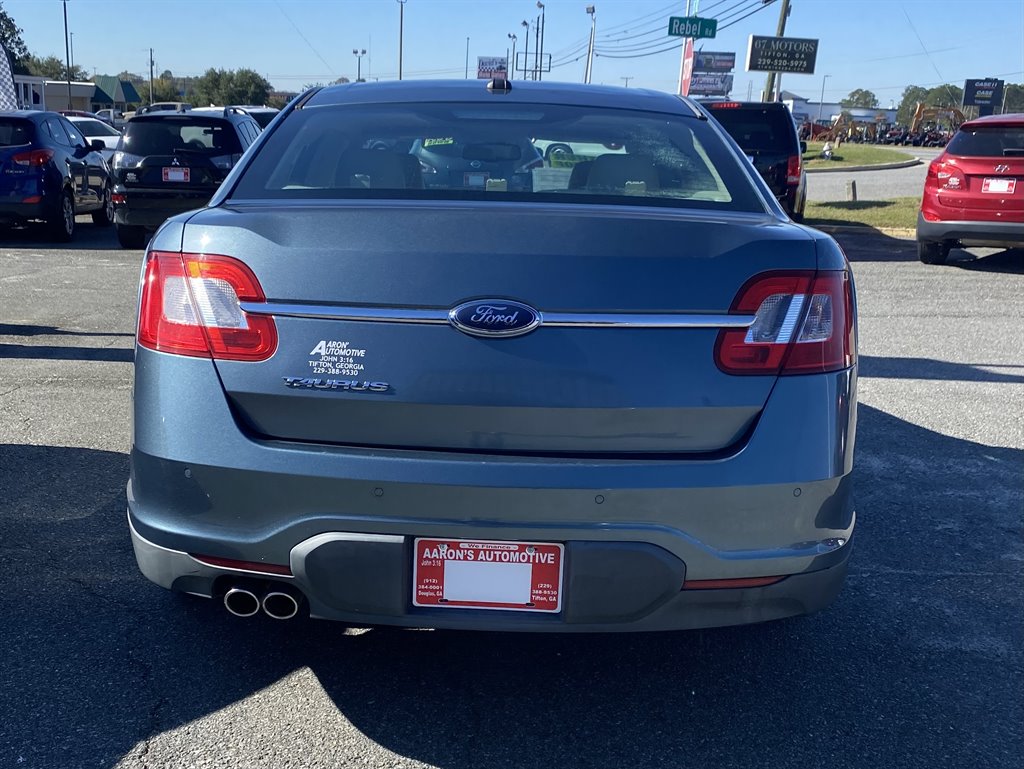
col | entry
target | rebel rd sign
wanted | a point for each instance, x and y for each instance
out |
(692, 26)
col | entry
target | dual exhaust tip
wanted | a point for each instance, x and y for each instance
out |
(277, 604)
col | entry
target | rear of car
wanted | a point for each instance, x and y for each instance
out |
(25, 171)
(169, 162)
(974, 190)
(616, 394)
(94, 129)
(767, 135)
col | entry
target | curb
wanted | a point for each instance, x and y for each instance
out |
(901, 233)
(877, 167)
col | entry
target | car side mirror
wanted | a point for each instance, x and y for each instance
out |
(98, 145)
(803, 147)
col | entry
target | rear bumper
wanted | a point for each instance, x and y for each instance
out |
(781, 505)
(993, 234)
(16, 212)
(151, 208)
(363, 580)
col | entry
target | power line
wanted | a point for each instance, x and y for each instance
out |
(304, 38)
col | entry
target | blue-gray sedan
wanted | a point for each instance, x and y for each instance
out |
(509, 356)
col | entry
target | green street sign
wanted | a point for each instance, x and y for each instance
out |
(692, 26)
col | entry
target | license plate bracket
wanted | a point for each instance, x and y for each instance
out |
(487, 574)
(997, 186)
(176, 174)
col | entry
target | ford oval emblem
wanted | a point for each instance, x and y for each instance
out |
(494, 317)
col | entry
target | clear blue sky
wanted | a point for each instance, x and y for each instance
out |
(875, 44)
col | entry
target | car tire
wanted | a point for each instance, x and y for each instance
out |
(105, 216)
(932, 253)
(130, 236)
(61, 227)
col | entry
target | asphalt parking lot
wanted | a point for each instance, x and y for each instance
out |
(920, 663)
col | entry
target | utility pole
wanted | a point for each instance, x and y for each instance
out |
(540, 49)
(769, 87)
(536, 47)
(511, 66)
(686, 44)
(401, 22)
(72, 50)
(590, 49)
(467, 58)
(526, 50)
(627, 79)
(67, 51)
(150, 75)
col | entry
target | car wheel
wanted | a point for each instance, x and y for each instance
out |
(131, 237)
(932, 253)
(105, 216)
(62, 226)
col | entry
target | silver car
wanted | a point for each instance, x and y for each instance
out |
(605, 391)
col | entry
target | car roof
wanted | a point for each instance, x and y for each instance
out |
(522, 92)
(1015, 119)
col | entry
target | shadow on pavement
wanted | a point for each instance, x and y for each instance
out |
(27, 329)
(53, 352)
(87, 237)
(927, 368)
(921, 641)
(867, 244)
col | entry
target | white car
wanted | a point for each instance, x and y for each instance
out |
(92, 128)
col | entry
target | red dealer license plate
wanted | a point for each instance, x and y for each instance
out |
(175, 174)
(999, 186)
(487, 574)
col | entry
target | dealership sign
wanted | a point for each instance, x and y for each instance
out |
(714, 61)
(782, 54)
(488, 67)
(710, 84)
(983, 93)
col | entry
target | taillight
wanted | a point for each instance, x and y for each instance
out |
(33, 158)
(803, 324)
(945, 176)
(190, 305)
(793, 170)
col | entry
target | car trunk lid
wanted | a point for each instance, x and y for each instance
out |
(361, 293)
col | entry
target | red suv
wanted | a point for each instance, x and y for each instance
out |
(974, 192)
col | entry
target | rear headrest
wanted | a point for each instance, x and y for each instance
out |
(373, 169)
(613, 171)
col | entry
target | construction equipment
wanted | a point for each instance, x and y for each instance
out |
(923, 113)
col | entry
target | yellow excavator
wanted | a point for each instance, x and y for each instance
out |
(923, 113)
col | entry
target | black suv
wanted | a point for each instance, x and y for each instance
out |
(767, 134)
(171, 162)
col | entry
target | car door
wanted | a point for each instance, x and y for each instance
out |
(95, 171)
(70, 166)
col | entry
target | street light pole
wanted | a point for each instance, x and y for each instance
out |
(72, 50)
(536, 47)
(526, 50)
(401, 22)
(540, 49)
(627, 79)
(821, 101)
(512, 65)
(467, 58)
(359, 54)
(67, 51)
(590, 49)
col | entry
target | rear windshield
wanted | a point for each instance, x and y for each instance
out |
(498, 151)
(758, 128)
(988, 142)
(170, 135)
(90, 127)
(15, 132)
(263, 118)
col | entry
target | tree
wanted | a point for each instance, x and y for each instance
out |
(225, 86)
(10, 38)
(1014, 97)
(945, 96)
(860, 98)
(912, 94)
(52, 67)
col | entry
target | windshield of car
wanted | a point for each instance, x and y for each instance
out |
(179, 135)
(757, 129)
(15, 132)
(90, 127)
(498, 151)
(987, 142)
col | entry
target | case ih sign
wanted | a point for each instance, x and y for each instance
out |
(986, 95)
(782, 54)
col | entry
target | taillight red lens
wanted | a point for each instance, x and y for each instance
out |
(793, 170)
(190, 305)
(945, 176)
(33, 158)
(803, 324)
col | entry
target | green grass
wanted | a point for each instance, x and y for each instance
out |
(851, 155)
(895, 213)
